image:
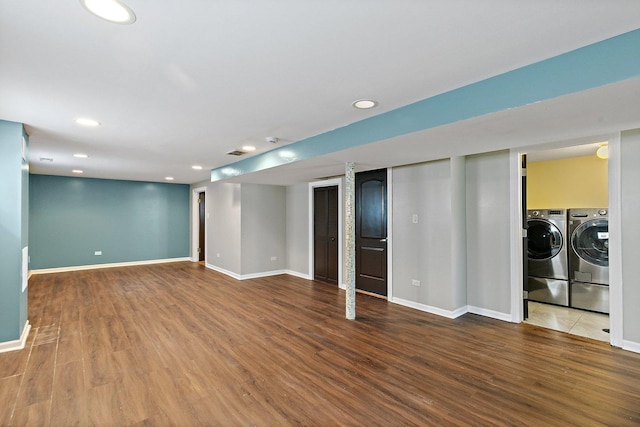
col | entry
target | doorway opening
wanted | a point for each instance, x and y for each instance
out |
(199, 224)
(566, 192)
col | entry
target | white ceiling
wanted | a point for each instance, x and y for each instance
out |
(190, 81)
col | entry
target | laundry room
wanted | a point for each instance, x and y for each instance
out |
(567, 221)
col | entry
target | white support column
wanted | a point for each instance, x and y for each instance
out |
(350, 239)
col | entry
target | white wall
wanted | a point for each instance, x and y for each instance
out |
(263, 228)
(488, 241)
(422, 250)
(297, 226)
(630, 216)
(224, 226)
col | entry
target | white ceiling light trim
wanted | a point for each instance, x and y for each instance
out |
(364, 104)
(196, 167)
(110, 10)
(85, 121)
(169, 178)
(78, 171)
(603, 152)
(80, 156)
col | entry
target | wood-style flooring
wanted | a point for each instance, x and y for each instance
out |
(177, 344)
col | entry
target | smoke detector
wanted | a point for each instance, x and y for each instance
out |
(272, 139)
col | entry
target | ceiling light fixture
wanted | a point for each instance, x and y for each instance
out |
(364, 104)
(80, 156)
(603, 152)
(85, 121)
(77, 171)
(196, 167)
(248, 148)
(168, 178)
(110, 10)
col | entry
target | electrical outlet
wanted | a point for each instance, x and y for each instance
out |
(414, 218)
(273, 258)
(217, 255)
(415, 282)
(97, 253)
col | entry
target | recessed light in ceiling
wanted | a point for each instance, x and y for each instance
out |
(248, 148)
(80, 156)
(603, 152)
(85, 121)
(364, 104)
(168, 178)
(110, 10)
(77, 171)
(196, 167)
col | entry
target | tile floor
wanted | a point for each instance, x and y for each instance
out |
(570, 320)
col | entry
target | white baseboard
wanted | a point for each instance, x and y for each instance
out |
(16, 344)
(245, 276)
(631, 346)
(429, 309)
(107, 265)
(343, 286)
(489, 313)
(297, 274)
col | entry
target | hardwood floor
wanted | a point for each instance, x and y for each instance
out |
(177, 344)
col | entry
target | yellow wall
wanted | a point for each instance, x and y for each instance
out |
(578, 182)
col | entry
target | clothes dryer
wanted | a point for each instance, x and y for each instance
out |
(548, 272)
(589, 259)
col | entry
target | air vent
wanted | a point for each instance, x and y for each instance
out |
(46, 159)
(552, 212)
(236, 153)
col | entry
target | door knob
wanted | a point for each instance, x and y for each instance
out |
(383, 240)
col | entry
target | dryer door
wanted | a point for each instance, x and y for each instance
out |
(545, 240)
(590, 241)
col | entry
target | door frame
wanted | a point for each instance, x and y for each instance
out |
(615, 236)
(328, 183)
(195, 223)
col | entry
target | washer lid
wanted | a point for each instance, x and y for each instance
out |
(544, 239)
(590, 241)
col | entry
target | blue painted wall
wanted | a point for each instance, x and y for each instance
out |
(71, 218)
(14, 178)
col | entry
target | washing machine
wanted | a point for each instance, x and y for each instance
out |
(589, 259)
(548, 271)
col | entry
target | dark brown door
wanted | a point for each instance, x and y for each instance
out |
(371, 231)
(201, 233)
(325, 233)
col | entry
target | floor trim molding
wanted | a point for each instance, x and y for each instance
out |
(107, 265)
(489, 313)
(247, 276)
(429, 309)
(631, 346)
(16, 344)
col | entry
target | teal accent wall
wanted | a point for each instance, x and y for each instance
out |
(592, 66)
(71, 218)
(13, 230)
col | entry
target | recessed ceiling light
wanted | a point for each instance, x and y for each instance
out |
(248, 148)
(364, 104)
(110, 10)
(85, 121)
(168, 178)
(80, 156)
(196, 167)
(77, 171)
(603, 151)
